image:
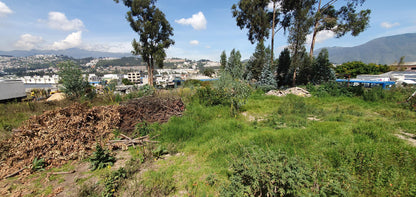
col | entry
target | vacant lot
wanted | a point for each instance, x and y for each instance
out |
(291, 146)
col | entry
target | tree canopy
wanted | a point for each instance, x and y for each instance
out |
(74, 85)
(154, 32)
(340, 21)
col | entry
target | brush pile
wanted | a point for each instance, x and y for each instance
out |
(72, 133)
(149, 109)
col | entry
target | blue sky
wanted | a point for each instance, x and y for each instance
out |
(202, 28)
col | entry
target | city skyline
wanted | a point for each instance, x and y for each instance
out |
(203, 29)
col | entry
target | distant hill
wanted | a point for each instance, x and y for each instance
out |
(384, 50)
(73, 52)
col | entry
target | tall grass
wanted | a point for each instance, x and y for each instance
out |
(346, 144)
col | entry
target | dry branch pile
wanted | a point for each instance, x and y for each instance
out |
(58, 136)
(149, 109)
(71, 133)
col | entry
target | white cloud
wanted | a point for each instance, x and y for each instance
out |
(28, 42)
(113, 47)
(321, 36)
(197, 21)
(389, 25)
(4, 10)
(72, 40)
(194, 42)
(58, 20)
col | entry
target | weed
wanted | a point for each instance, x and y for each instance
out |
(159, 151)
(101, 158)
(38, 164)
(113, 181)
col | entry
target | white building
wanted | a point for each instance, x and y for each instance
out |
(40, 79)
(134, 77)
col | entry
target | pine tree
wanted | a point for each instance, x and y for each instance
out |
(283, 68)
(257, 61)
(223, 60)
(234, 66)
(267, 78)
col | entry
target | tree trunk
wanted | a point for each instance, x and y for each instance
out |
(315, 31)
(294, 78)
(273, 32)
(149, 74)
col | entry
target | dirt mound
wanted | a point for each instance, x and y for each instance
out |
(295, 90)
(71, 133)
(58, 136)
(56, 97)
(149, 109)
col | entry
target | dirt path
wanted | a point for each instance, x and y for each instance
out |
(411, 138)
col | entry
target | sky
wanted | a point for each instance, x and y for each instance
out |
(202, 28)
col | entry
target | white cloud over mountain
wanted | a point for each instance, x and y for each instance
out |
(28, 42)
(389, 25)
(321, 36)
(4, 10)
(197, 21)
(72, 40)
(58, 20)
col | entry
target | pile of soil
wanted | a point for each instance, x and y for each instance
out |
(71, 133)
(149, 109)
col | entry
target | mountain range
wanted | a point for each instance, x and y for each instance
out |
(384, 50)
(72, 52)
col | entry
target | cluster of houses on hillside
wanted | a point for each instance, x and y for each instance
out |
(162, 78)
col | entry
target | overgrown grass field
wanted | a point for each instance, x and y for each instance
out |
(330, 144)
(343, 146)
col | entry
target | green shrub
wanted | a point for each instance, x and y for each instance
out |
(211, 96)
(101, 158)
(329, 89)
(374, 94)
(267, 173)
(237, 91)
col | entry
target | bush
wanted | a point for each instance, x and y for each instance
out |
(237, 91)
(211, 96)
(329, 89)
(374, 94)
